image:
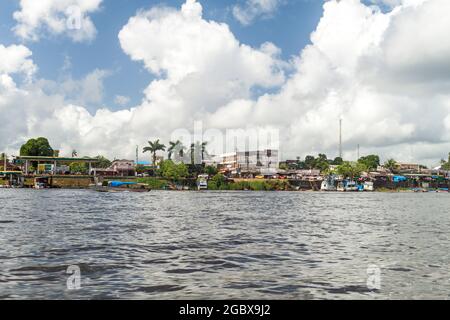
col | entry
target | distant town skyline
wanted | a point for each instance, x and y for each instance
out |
(104, 76)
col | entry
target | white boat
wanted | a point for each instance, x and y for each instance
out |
(347, 186)
(328, 185)
(351, 186)
(202, 182)
(368, 186)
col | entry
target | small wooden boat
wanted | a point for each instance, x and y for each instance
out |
(115, 186)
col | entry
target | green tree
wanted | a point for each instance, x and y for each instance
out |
(197, 152)
(446, 165)
(172, 171)
(192, 152)
(2, 161)
(210, 170)
(391, 165)
(204, 144)
(337, 161)
(154, 147)
(350, 169)
(371, 162)
(321, 163)
(39, 147)
(174, 145)
(101, 163)
(217, 182)
(309, 162)
(78, 167)
(140, 169)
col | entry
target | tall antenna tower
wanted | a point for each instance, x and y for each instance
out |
(137, 155)
(340, 138)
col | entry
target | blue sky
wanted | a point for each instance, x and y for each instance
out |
(128, 78)
(365, 65)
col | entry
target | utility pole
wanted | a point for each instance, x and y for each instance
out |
(357, 154)
(5, 168)
(340, 138)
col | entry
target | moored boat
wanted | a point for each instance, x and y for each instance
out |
(117, 186)
(202, 182)
(351, 186)
(369, 186)
(328, 184)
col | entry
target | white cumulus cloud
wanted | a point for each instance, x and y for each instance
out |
(384, 73)
(56, 17)
(247, 12)
(16, 59)
(121, 100)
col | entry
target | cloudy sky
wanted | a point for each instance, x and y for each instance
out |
(102, 76)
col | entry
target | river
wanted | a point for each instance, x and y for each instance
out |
(224, 245)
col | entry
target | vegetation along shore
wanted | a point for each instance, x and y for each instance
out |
(40, 166)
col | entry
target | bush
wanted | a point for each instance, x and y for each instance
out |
(154, 183)
(218, 182)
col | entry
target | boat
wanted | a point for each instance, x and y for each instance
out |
(202, 182)
(347, 186)
(369, 186)
(117, 186)
(41, 183)
(351, 186)
(328, 184)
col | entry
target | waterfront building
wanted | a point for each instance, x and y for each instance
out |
(124, 168)
(409, 167)
(120, 168)
(49, 165)
(264, 162)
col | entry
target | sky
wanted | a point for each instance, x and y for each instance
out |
(102, 76)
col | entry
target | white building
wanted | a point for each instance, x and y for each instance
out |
(263, 162)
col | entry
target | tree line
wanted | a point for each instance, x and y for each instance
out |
(192, 159)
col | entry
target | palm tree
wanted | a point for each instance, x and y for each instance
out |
(173, 147)
(181, 150)
(193, 153)
(74, 153)
(154, 147)
(204, 144)
(391, 165)
(197, 152)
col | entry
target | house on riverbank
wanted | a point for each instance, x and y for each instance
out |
(265, 162)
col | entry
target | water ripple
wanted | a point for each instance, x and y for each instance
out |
(223, 245)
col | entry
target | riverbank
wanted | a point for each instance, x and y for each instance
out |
(216, 184)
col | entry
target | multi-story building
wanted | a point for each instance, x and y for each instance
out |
(121, 168)
(124, 168)
(264, 162)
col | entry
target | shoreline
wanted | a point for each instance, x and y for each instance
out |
(2, 187)
(80, 182)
